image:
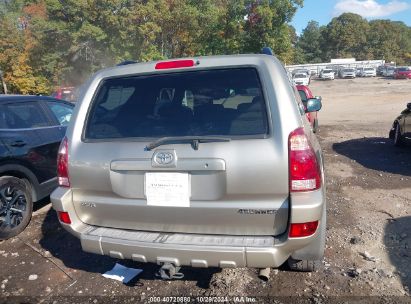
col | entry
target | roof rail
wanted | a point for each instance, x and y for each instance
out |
(267, 51)
(126, 62)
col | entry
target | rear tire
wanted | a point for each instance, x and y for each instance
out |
(16, 206)
(398, 139)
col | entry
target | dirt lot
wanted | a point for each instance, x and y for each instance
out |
(368, 255)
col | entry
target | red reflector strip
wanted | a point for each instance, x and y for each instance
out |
(174, 64)
(64, 217)
(303, 229)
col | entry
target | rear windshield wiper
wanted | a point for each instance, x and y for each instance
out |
(193, 140)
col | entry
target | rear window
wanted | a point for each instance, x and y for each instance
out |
(215, 102)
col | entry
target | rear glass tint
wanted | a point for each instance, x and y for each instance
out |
(24, 115)
(214, 102)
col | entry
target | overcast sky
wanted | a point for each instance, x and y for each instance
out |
(324, 10)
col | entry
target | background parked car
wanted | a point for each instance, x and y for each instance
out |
(327, 74)
(31, 129)
(358, 72)
(388, 71)
(301, 79)
(402, 73)
(65, 93)
(401, 128)
(305, 94)
(347, 73)
(380, 70)
(368, 72)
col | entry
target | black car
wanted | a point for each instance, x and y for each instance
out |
(401, 128)
(31, 128)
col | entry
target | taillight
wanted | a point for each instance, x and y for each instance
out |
(64, 217)
(174, 64)
(303, 229)
(305, 173)
(62, 164)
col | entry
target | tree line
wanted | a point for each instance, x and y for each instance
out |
(351, 36)
(48, 43)
(44, 43)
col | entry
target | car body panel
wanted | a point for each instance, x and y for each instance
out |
(404, 123)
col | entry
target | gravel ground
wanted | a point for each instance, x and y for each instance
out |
(368, 255)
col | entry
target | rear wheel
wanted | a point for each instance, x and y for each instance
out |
(16, 206)
(398, 139)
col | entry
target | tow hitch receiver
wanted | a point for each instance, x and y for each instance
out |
(169, 272)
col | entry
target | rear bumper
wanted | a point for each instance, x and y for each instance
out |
(195, 250)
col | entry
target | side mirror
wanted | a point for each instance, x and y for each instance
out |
(409, 106)
(318, 97)
(313, 105)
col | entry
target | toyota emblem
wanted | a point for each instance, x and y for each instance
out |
(164, 158)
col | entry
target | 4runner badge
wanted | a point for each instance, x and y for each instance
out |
(257, 211)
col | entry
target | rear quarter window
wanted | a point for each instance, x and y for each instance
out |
(23, 115)
(226, 102)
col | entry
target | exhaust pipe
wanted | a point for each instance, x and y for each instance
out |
(264, 274)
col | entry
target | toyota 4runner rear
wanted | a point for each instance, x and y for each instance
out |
(203, 162)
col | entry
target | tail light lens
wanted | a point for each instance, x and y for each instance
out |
(64, 217)
(62, 164)
(305, 173)
(303, 229)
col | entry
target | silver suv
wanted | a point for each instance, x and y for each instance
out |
(201, 162)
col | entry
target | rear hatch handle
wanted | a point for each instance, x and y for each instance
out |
(193, 140)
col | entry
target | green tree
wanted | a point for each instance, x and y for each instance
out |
(17, 42)
(266, 25)
(346, 36)
(310, 43)
(61, 42)
(390, 41)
